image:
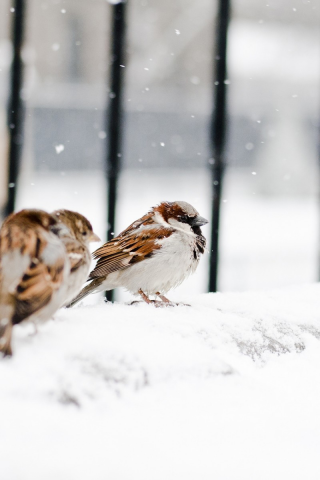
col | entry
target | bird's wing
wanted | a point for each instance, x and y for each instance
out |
(14, 237)
(44, 273)
(146, 221)
(126, 250)
(36, 288)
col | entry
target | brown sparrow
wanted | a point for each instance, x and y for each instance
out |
(76, 238)
(34, 267)
(153, 255)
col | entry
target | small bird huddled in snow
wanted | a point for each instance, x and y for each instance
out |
(76, 239)
(154, 254)
(34, 267)
(44, 261)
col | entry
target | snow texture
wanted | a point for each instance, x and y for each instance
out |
(226, 389)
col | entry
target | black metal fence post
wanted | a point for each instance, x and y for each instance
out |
(114, 114)
(318, 198)
(15, 107)
(218, 134)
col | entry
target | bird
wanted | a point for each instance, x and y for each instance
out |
(76, 238)
(153, 255)
(34, 267)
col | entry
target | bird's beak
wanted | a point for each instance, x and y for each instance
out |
(198, 221)
(94, 238)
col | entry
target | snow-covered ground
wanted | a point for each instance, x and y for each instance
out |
(227, 389)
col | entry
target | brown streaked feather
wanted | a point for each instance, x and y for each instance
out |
(36, 288)
(127, 250)
(13, 238)
(20, 232)
(147, 219)
(28, 232)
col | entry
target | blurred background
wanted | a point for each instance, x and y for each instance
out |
(270, 214)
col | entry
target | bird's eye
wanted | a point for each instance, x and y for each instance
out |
(83, 234)
(184, 218)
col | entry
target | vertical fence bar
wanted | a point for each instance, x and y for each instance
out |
(218, 134)
(15, 106)
(318, 197)
(114, 115)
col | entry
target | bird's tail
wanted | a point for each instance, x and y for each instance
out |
(6, 313)
(5, 337)
(92, 287)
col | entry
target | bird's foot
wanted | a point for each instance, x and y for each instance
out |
(134, 302)
(165, 302)
(174, 304)
(168, 302)
(156, 303)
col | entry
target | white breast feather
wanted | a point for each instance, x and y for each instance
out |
(166, 269)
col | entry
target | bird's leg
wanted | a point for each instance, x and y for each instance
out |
(163, 298)
(144, 297)
(165, 301)
(168, 302)
(148, 301)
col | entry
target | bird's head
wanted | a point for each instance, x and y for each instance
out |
(180, 215)
(78, 225)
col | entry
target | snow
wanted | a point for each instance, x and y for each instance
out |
(59, 148)
(226, 389)
(273, 50)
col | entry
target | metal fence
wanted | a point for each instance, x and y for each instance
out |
(114, 121)
(113, 156)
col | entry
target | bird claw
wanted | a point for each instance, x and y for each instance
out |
(155, 303)
(165, 302)
(169, 303)
(172, 304)
(158, 303)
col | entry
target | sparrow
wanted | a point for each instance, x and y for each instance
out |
(154, 254)
(34, 267)
(76, 238)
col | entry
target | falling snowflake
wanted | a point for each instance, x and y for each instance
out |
(59, 148)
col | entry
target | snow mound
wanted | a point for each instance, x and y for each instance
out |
(132, 391)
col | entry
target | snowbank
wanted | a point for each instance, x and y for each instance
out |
(227, 389)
